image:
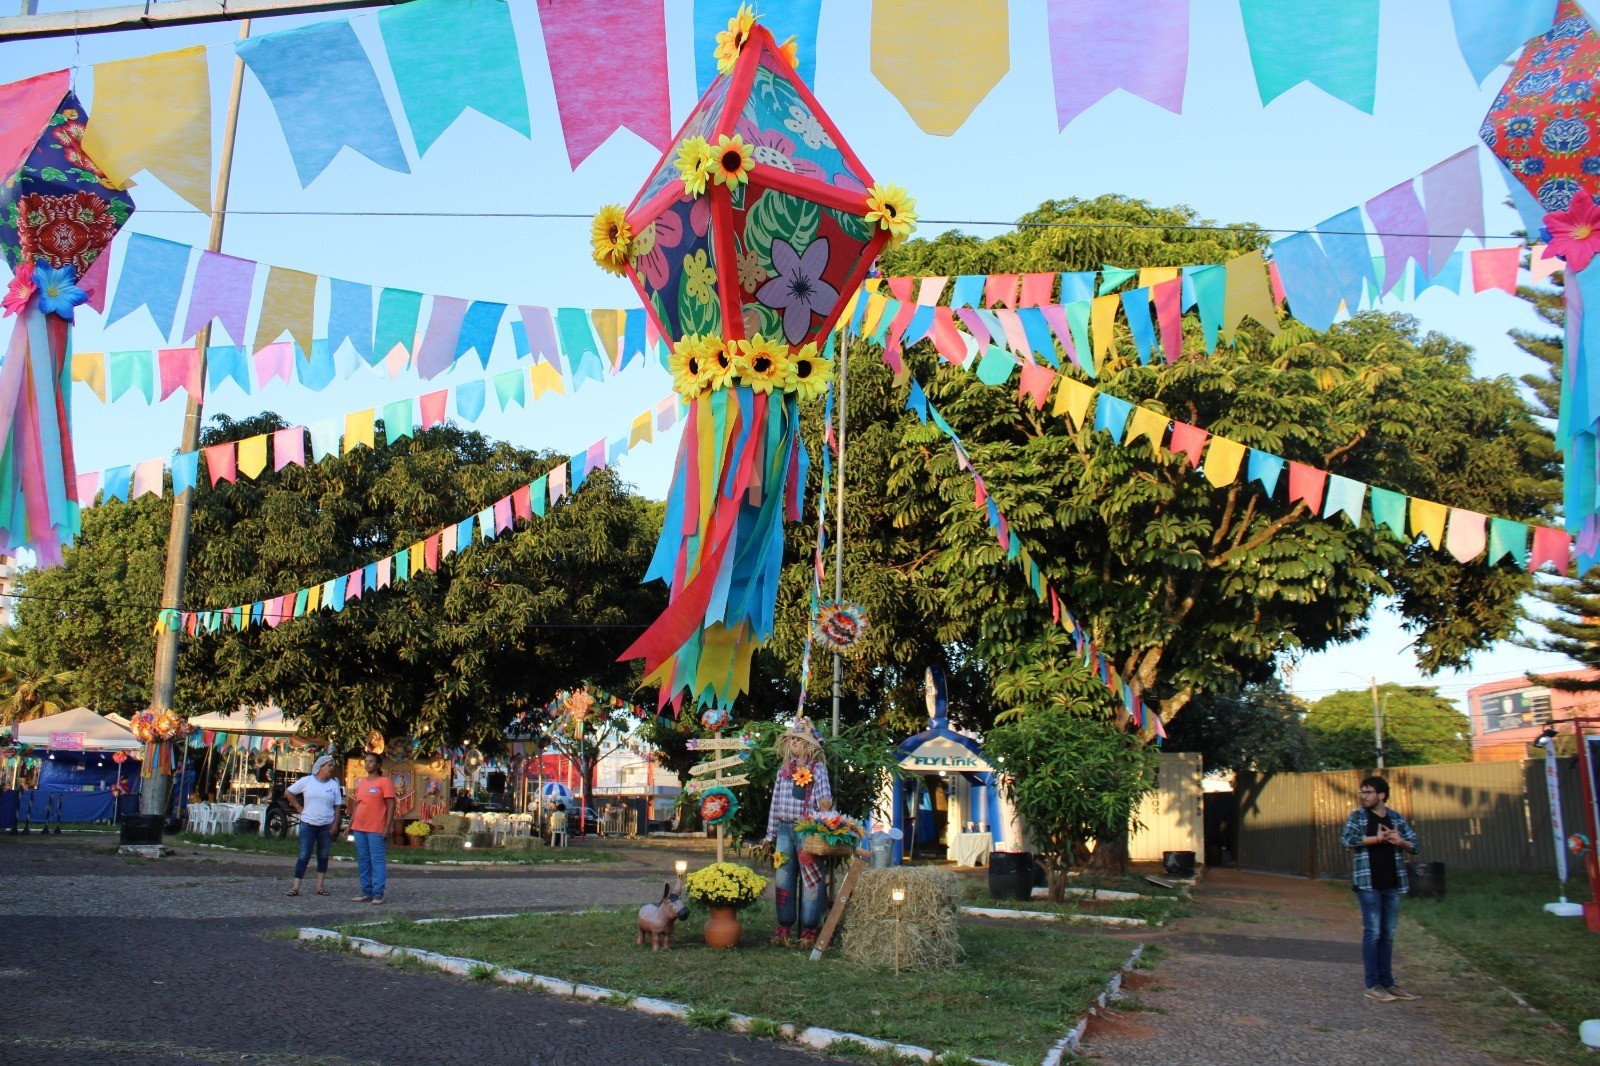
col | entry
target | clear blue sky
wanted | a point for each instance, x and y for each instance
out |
(1288, 165)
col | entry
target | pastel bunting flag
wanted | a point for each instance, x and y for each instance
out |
(1495, 268)
(398, 311)
(274, 361)
(1248, 294)
(221, 291)
(1452, 199)
(90, 369)
(973, 36)
(1265, 468)
(350, 317)
(1223, 459)
(438, 350)
(432, 405)
(1100, 46)
(1073, 398)
(287, 307)
(358, 430)
(1465, 536)
(1306, 484)
(1344, 496)
(1488, 31)
(1309, 282)
(253, 455)
(185, 472)
(1428, 520)
(1111, 414)
(324, 439)
(179, 369)
(153, 113)
(220, 463)
(469, 400)
(1148, 425)
(118, 480)
(632, 35)
(148, 478)
(1508, 538)
(288, 446)
(127, 371)
(1349, 253)
(341, 106)
(1333, 44)
(1402, 228)
(153, 272)
(397, 421)
(1035, 383)
(1188, 441)
(1550, 547)
(1389, 509)
(478, 329)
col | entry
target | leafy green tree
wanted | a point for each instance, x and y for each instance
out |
(26, 691)
(450, 656)
(1420, 728)
(1071, 780)
(1255, 727)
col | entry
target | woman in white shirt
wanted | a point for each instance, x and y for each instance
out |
(318, 800)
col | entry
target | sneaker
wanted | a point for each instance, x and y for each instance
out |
(1382, 995)
(378, 902)
(1396, 992)
(360, 899)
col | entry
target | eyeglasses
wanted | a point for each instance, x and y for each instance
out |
(1369, 792)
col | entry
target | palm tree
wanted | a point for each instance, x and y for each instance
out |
(27, 692)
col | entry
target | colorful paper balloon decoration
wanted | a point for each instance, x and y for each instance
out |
(58, 212)
(745, 244)
(1544, 126)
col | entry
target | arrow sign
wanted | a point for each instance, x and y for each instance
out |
(703, 783)
(716, 764)
(717, 744)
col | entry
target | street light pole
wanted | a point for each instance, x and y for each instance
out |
(1377, 722)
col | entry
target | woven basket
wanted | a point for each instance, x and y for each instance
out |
(815, 845)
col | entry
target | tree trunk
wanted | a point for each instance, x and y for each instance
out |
(1110, 856)
(1055, 882)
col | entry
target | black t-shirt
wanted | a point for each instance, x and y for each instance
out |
(1384, 875)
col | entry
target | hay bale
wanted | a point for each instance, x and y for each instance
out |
(926, 932)
(454, 824)
(445, 841)
(522, 843)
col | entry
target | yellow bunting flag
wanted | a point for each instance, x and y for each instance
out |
(1249, 293)
(90, 368)
(1150, 277)
(642, 431)
(849, 309)
(313, 598)
(253, 455)
(940, 59)
(1223, 457)
(1102, 319)
(608, 325)
(1151, 425)
(1428, 519)
(875, 305)
(357, 429)
(286, 308)
(154, 113)
(1073, 399)
(546, 378)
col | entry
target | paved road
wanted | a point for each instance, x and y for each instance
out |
(106, 961)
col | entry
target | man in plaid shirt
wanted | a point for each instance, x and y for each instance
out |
(1379, 839)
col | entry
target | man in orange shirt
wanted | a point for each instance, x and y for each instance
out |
(372, 802)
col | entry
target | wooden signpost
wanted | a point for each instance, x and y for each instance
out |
(716, 765)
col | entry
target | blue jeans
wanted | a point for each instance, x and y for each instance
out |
(322, 837)
(1380, 911)
(372, 862)
(788, 876)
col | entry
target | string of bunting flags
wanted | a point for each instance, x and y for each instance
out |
(524, 504)
(443, 57)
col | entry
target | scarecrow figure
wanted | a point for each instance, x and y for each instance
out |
(801, 789)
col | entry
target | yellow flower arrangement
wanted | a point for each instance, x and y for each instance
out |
(611, 238)
(418, 830)
(690, 366)
(731, 161)
(695, 159)
(720, 368)
(808, 373)
(725, 884)
(762, 364)
(731, 40)
(893, 210)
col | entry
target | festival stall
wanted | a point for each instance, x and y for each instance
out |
(83, 767)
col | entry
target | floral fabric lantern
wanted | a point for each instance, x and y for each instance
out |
(58, 213)
(1544, 126)
(745, 244)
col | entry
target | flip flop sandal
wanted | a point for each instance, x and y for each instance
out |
(323, 892)
(292, 892)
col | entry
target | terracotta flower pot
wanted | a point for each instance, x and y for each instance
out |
(722, 929)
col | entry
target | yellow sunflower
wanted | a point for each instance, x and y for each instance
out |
(694, 161)
(719, 365)
(763, 364)
(687, 365)
(611, 238)
(790, 50)
(731, 160)
(808, 373)
(891, 208)
(731, 40)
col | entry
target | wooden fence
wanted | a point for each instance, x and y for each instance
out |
(1471, 816)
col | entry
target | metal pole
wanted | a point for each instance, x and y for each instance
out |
(153, 800)
(838, 529)
(1377, 722)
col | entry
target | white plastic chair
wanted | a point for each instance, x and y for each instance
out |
(226, 816)
(202, 822)
(558, 830)
(521, 825)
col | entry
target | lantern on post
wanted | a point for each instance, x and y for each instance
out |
(746, 244)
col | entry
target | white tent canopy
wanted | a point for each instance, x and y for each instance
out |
(265, 720)
(83, 730)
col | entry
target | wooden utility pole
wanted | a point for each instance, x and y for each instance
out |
(838, 528)
(157, 787)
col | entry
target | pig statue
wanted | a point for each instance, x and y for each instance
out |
(657, 919)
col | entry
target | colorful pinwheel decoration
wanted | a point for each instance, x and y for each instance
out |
(58, 213)
(1545, 127)
(840, 624)
(745, 245)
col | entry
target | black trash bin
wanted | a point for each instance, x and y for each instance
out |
(1178, 863)
(142, 828)
(1427, 880)
(1010, 875)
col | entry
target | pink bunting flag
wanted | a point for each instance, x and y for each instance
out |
(975, 325)
(433, 408)
(447, 541)
(180, 369)
(289, 446)
(276, 360)
(147, 478)
(1307, 483)
(385, 570)
(522, 503)
(1280, 296)
(1452, 196)
(931, 289)
(1466, 537)
(1552, 546)
(901, 288)
(1495, 268)
(666, 413)
(1167, 296)
(1036, 380)
(221, 463)
(947, 337)
(1100, 46)
(502, 514)
(430, 553)
(1539, 266)
(93, 282)
(88, 485)
(1188, 441)
(557, 480)
(1036, 289)
(1056, 316)
(1001, 290)
(632, 36)
(352, 585)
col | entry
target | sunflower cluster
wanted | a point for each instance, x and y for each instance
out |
(705, 363)
(701, 163)
(731, 40)
(612, 239)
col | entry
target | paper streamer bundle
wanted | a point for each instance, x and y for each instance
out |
(58, 212)
(744, 244)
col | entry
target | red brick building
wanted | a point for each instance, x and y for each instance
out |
(1508, 715)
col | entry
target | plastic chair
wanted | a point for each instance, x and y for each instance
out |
(202, 821)
(558, 829)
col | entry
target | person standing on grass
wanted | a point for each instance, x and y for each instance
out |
(1379, 839)
(318, 800)
(372, 802)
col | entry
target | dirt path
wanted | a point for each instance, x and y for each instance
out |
(1269, 971)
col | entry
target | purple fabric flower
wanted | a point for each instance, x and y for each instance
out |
(798, 289)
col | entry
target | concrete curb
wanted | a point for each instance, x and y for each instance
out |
(811, 1036)
(1069, 1044)
(425, 862)
(1051, 916)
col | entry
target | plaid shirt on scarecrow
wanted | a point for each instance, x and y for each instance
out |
(1355, 828)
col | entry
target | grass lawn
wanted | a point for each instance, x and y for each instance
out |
(1495, 920)
(1161, 906)
(254, 842)
(1016, 993)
